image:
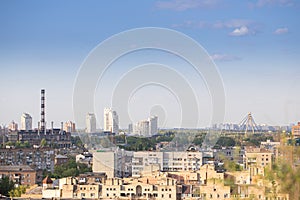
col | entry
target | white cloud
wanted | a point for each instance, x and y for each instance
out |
(243, 30)
(224, 57)
(281, 31)
(262, 3)
(182, 5)
(234, 23)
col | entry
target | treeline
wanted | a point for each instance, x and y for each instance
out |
(70, 168)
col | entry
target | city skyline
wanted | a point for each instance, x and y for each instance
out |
(253, 43)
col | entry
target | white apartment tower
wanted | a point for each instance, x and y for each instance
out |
(146, 128)
(26, 122)
(153, 125)
(90, 123)
(111, 120)
(142, 128)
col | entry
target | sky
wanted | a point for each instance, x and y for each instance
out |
(255, 45)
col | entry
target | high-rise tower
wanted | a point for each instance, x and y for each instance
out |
(42, 110)
(26, 122)
(90, 123)
(111, 121)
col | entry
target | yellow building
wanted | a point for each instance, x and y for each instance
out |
(257, 157)
(296, 131)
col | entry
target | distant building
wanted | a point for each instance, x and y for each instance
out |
(141, 128)
(26, 122)
(296, 131)
(90, 123)
(69, 127)
(153, 120)
(130, 129)
(146, 128)
(13, 126)
(20, 174)
(111, 121)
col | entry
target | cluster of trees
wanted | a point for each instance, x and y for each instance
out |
(19, 144)
(256, 139)
(6, 185)
(285, 173)
(134, 143)
(71, 168)
(7, 188)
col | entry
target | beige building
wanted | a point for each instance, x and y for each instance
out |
(257, 157)
(69, 126)
(161, 187)
(214, 189)
(296, 131)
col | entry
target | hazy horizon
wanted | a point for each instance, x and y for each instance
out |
(254, 44)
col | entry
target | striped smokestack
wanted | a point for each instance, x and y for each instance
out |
(42, 110)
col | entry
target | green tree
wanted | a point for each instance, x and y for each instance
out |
(6, 185)
(43, 142)
(17, 192)
(71, 168)
(226, 142)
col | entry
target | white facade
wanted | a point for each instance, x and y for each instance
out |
(26, 122)
(111, 121)
(166, 161)
(114, 163)
(141, 128)
(90, 123)
(146, 128)
(153, 125)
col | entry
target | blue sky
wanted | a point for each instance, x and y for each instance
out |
(254, 43)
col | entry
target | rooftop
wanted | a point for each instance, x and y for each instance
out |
(16, 168)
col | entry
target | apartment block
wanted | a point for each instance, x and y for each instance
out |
(166, 161)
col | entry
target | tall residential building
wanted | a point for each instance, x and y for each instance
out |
(90, 123)
(153, 125)
(130, 128)
(13, 126)
(26, 122)
(69, 127)
(141, 128)
(146, 128)
(111, 121)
